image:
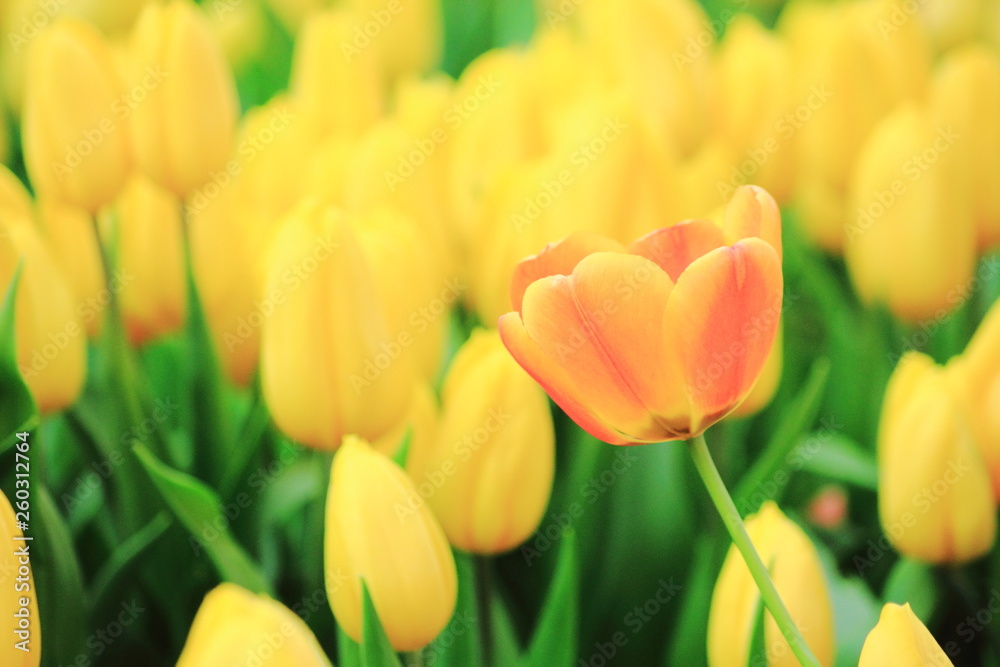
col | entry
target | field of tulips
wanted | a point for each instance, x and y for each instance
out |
(545, 333)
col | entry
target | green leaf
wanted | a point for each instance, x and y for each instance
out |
(460, 643)
(841, 459)
(17, 407)
(916, 583)
(376, 651)
(754, 488)
(198, 508)
(250, 438)
(506, 647)
(556, 638)
(855, 612)
(125, 557)
(513, 22)
(348, 650)
(62, 599)
(687, 646)
(403, 449)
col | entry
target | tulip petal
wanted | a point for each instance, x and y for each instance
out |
(674, 248)
(582, 325)
(559, 258)
(753, 212)
(722, 318)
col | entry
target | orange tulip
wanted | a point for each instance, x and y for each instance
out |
(659, 340)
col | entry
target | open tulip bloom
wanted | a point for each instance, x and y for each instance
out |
(660, 339)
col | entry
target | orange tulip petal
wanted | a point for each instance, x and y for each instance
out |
(559, 258)
(753, 212)
(674, 248)
(722, 319)
(554, 380)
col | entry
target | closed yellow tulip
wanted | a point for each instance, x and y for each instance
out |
(406, 34)
(901, 640)
(150, 250)
(909, 177)
(337, 92)
(18, 602)
(488, 472)
(234, 626)
(966, 98)
(405, 561)
(75, 134)
(51, 339)
(182, 97)
(935, 499)
(331, 360)
(69, 233)
(975, 375)
(798, 576)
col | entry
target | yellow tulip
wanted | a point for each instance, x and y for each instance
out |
(798, 576)
(234, 626)
(331, 360)
(953, 23)
(76, 138)
(406, 34)
(488, 472)
(338, 92)
(935, 498)
(148, 238)
(908, 178)
(853, 64)
(18, 602)
(901, 640)
(51, 339)
(15, 202)
(751, 96)
(976, 377)
(182, 97)
(69, 233)
(402, 556)
(966, 98)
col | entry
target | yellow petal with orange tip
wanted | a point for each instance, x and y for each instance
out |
(722, 318)
(901, 640)
(378, 530)
(752, 211)
(233, 625)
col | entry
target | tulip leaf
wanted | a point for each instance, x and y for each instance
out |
(199, 509)
(403, 449)
(506, 648)
(252, 435)
(348, 650)
(841, 459)
(460, 643)
(688, 643)
(18, 413)
(62, 599)
(376, 650)
(556, 638)
(125, 557)
(753, 489)
(913, 582)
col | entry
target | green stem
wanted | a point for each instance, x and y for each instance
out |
(414, 659)
(734, 524)
(484, 598)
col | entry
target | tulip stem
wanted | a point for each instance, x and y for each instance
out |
(734, 524)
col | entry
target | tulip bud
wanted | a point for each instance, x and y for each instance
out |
(233, 624)
(975, 375)
(908, 178)
(376, 531)
(406, 34)
(18, 603)
(935, 500)
(150, 250)
(333, 361)
(51, 340)
(901, 640)
(337, 91)
(182, 98)
(966, 99)
(751, 96)
(76, 143)
(69, 233)
(489, 469)
(795, 568)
